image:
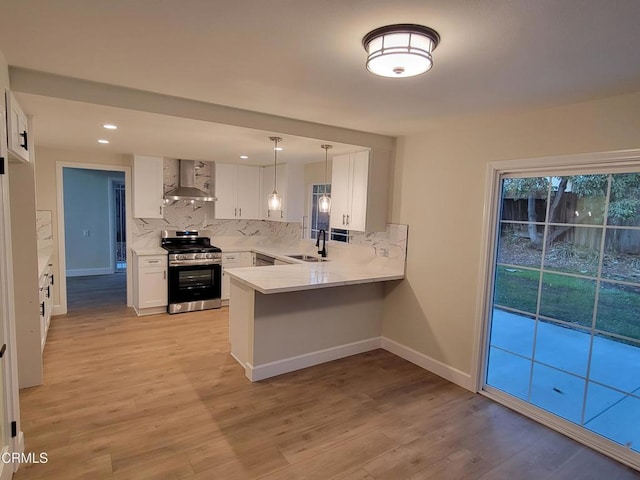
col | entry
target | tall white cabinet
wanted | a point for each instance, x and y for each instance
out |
(237, 191)
(148, 187)
(349, 189)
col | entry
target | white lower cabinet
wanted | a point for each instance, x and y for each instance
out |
(233, 260)
(150, 288)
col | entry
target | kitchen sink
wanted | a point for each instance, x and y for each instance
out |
(307, 258)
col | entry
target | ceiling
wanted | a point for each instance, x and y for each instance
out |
(304, 59)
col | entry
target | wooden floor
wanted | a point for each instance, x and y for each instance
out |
(96, 291)
(161, 397)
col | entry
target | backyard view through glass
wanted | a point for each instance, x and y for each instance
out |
(565, 326)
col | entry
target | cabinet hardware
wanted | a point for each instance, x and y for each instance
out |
(48, 292)
(153, 261)
(42, 309)
(343, 215)
(1, 165)
(164, 274)
(24, 145)
(241, 211)
(235, 212)
(160, 209)
(281, 214)
(14, 429)
(347, 219)
(52, 282)
(268, 213)
(2, 350)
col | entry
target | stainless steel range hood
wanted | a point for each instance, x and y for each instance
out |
(186, 185)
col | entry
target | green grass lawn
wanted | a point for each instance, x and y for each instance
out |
(570, 299)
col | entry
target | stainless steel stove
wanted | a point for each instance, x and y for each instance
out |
(195, 271)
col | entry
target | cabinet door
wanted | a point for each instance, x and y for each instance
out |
(340, 190)
(17, 129)
(226, 191)
(147, 187)
(246, 259)
(248, 192)
(359, 186)
(152, 287)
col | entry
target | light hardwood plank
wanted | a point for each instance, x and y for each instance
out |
(129, 397)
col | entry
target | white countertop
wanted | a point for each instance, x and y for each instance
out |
(302, 275)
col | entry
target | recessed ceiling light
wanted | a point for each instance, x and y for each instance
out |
(102, 140)
(110, 126)
(277, 148)
(244, 157)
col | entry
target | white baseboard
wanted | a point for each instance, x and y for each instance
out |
(85, 272)
(267, 370)
(442, 370)
(6, 469)
(58, 310)
(19, 446)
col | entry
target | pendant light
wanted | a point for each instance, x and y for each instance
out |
(275, 201)
(324, 202)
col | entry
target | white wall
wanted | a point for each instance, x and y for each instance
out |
(438, 190)
(87, 206)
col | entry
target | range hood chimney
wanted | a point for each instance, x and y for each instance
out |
(186, 185)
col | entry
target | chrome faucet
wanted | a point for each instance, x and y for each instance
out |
(323, 252)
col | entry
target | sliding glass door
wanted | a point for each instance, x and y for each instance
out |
(565, 315)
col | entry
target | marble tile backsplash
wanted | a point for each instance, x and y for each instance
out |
(44, 229)
(392, 243)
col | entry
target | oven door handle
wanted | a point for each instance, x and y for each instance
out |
(194, 263)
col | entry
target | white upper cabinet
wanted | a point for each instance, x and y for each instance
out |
(148, 187)
(18, 138)
(290, 187)
(237, 191)
(349, 191)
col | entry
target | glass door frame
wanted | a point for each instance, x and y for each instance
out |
(605, 162)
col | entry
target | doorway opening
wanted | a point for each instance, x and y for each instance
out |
(94, 240)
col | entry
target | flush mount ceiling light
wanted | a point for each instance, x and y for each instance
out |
(402, 50)
(110, 126)
(324, 202)
(102, 140)
(275, 201)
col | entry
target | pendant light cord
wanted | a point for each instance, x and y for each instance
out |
(326, 165)
(275, 161)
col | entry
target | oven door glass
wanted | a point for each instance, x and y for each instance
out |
(190, 283)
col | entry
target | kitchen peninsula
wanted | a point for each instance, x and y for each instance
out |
(287, 317)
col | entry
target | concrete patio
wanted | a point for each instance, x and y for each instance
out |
(558, 374)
